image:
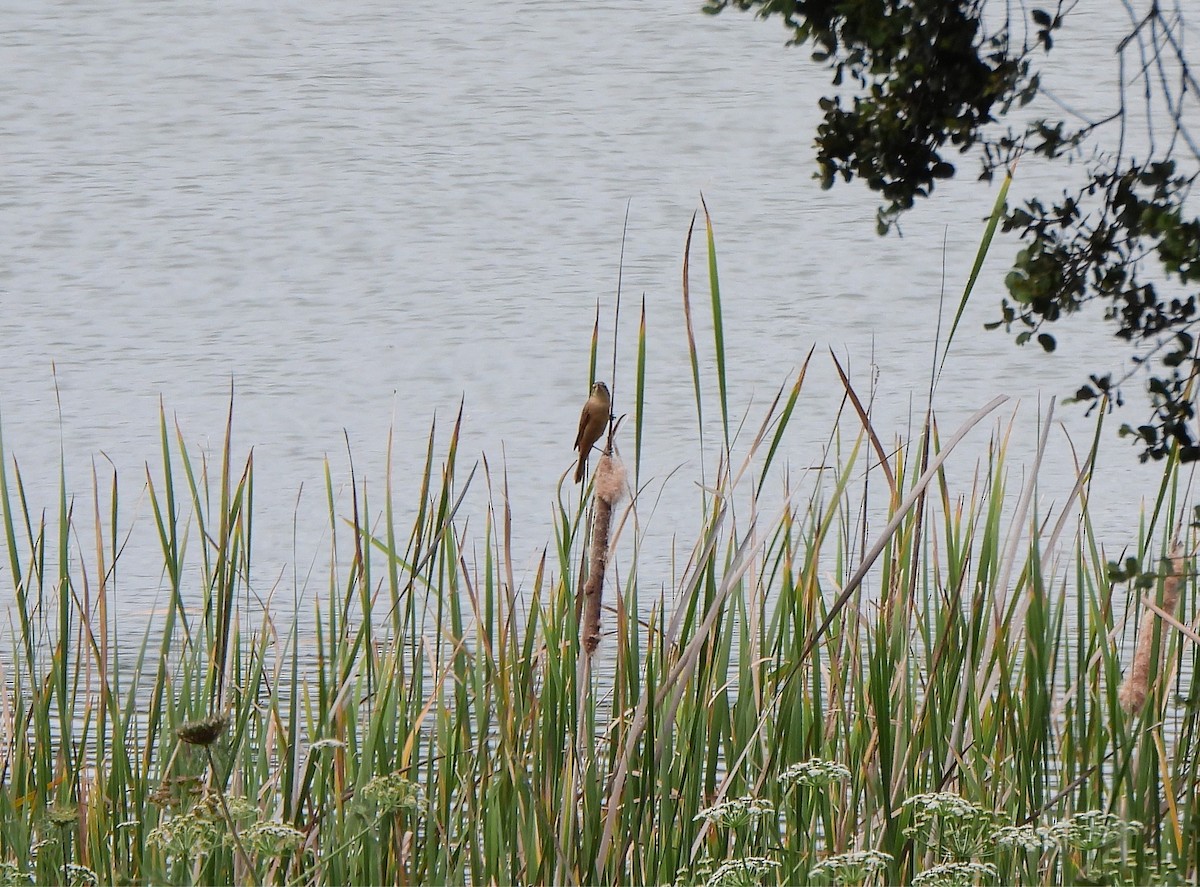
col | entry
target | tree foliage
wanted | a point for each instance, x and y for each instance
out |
(919, 85)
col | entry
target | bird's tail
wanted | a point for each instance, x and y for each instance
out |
(581, 467)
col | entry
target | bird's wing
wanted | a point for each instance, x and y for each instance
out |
(583, 420)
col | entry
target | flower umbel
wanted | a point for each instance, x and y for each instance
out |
(81, 876)
(747, 872)
(736, 812)
(187, 836)
(12, 875)
(63, 815)
(958, 828)
(852, 868)
(1091, 830)
(272, 839)
(955, 874)
(940, 804)
(1022, 837)
(392, 792)
(815, 773)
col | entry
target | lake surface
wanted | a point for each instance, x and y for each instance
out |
(360, 214)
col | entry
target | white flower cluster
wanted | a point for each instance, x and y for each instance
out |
(955, 874)
(737, 812)
(274, 839)
(81, 876)
(1091, 830)
(322, 744)
(815, 773)
(1022, 837)
(852, 868)
(748, 872)
(12, 875)
(392, 792)
(957, 827)
(944, 804)
(190, 835)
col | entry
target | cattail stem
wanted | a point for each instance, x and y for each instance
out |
(609, 487)
(240, 851)
(1136, 686)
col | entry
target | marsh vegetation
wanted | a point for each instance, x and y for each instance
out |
(888, 678)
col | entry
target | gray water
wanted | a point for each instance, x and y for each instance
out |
(360, 214)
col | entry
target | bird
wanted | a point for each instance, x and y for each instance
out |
(592, 422)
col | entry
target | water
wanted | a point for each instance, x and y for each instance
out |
(358, 215)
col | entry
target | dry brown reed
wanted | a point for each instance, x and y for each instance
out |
(1136, 686)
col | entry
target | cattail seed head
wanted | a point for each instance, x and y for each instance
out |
(1135, 688)
(610, 480)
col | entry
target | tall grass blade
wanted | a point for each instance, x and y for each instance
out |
(980, 254)
(718, 320)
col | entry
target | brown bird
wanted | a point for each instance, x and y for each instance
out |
(592, 422)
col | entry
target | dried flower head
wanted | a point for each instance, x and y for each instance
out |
(205, 731)
(856, 867)
(955, 874)
(240, 809)
(747, 872)
(176, 791)
(737, 812)
(815, 773)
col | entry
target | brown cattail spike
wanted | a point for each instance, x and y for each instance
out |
(609, 488)
(1136, 686)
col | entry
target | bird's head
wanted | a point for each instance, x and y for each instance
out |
(600, 390)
